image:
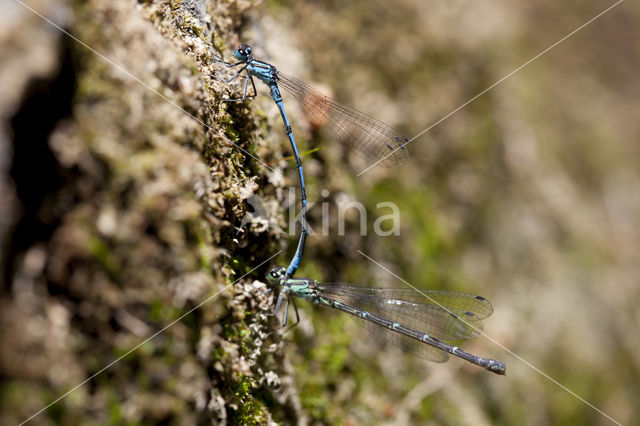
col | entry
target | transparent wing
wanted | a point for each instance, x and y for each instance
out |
(455, 301)
(363, 135)
(402, 342)
(449, 316)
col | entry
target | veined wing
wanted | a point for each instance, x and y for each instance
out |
(449, 316)
(453, 300)
(367, 137)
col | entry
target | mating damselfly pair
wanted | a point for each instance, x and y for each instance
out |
(426, 324)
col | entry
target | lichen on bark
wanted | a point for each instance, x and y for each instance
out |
(144, 178)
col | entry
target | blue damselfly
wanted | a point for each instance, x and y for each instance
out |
(364, 136)
(428, 324)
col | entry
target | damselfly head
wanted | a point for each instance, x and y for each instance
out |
(243, 52)
(275, 274)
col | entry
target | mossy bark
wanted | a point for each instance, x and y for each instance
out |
(124, 184)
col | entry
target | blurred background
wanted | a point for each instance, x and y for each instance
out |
(529, 196)
(119, 213)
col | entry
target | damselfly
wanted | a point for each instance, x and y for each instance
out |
(364, 136)
(428, 324)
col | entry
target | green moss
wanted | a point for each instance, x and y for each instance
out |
(231, 131)
(12, 393)
(176, 5)
(218, 354)
(115, 412)
(218, 43)
(316, 405)
(203, 249)
(102, 253)
(250, 411)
